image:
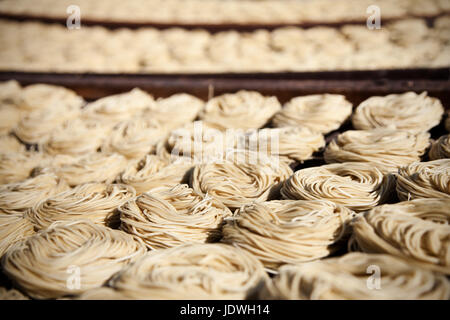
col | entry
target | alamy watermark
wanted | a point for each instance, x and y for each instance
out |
(374, 19)
(74, 19)
(73, 281)
(374, 281)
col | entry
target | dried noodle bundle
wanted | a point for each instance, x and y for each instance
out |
(347, 278)
(407, 111)
(440, 149)
(387, 148)
(13, 228)
(97, 202)
(153, 172)
(358, 186)
(424, 180)
(200, 271)
(288, 231)
(248, 177)
(244, 110)
(93, 167)
(320, 112)
(11, 294)
(417, 230)
(18, 197)
(169, 217)
(135, 138)
(118, 107)
(16, 167)
(46, 264)
(76, 138)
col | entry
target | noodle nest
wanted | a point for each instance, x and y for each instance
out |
(440, 149)
(169, 217)
(407, 111)
(288, 231)
(46, 264)
(358, 186)
(417, 230)
(389, 149)
(321, 113)
(97, 202)
(424, 180)
(200, 271)
(348, 278)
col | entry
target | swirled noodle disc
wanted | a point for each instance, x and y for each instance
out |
(9, 144)
(37, 126)
(440, 149)
(44, 96)
(10, 117)
(288, 143)
(135, 138)
(347, 278)
(199, 142)
(240, 181)
(243, 110)
(319, 112)
(76, 137)
(97, 202)
(424, 180)
(11, 294)
(169, 217)
(93, 167)
(50, 263)
(13, 228)
(16, 167)
(407, 111)
(176, 110)
(18, 197)
(9, 91)
(153, 172)
(387, 148)
(200, 271)
(288, 231)
(417, 230)
(358, 186)
(118, 107)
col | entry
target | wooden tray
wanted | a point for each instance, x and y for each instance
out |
(213, 28)
(356, 85)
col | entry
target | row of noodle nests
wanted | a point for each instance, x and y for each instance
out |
(233, 184)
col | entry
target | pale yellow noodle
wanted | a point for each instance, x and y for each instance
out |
(358, 186)
(389, 149)
(153, 172)
(440, 149)
(407, 111)
(18, 197)
(44, 96)
(44, 266)
(244, 110)
(248, 177)
(135, 138)
(348, 278)
(288, 231)
(417, 230)
(97, 202)
(424, 180)
(320, 112)
(13, 228)
(76, 137)
(93, 167)
(16, 167)
(200, 271)
(171, 216)
(118, 107)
